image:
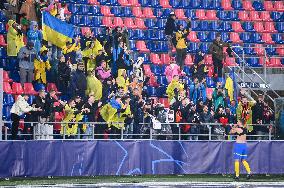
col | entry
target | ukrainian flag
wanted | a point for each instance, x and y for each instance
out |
(56, 31)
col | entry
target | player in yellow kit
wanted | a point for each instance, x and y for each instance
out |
(240, 148)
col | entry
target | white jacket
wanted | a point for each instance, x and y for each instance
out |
(21, 106)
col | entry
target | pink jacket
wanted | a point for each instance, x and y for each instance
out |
(171, 71)
(103, 74)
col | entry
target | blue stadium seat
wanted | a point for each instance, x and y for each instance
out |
(95, 10)
(187, 70)
(97, 31)
(146, 57)
(238, 49)
(2, 28)
(144, 3)
(211, 36)
(204, 47)
(185, 4)
(85, 21)
(202, 36)
(102, 2)
(225, 37)
(210, 83)
(112, 3)
(277, 38)
(282, 61)
(3, 52)
(4, 64)
(280, 27)
(165, 13)
(248, 49)
(84, 9)
(203, 25)
(117, 11)
(75, 19)
(194, 26)
(214, 25)
(132, 34)
(253, 62)
(8, 99)
(73, 8)
(14, 75)
(31, 99)
(150, 34)
(6, 113)
(182, 22)
(257, 5)
(132, 45)
(155, 4)
(233, 15)
(127, 11)
(161, 35)
(161, 91)
(248, 26)
(256, 38)
(161, 47)
(139, 34)
(96, 21)
(195, 4)
(270, 50)
(190, 14)
(192, 48)
(226, 26)
(277, 16)
(156, 69)
(38, 86)
(162, 80)
(237, 5)
(216, 5)
(205, 4)
(175, 3)
(161, 23)
(150, 23)
(13, 64)
(222, 15)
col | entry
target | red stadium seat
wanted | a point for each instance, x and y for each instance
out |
(128, 22)
(17, 88)
(200, 14)
(258, 27)
(269, 27)
(235, 38)
(85, 30)
(268, 5)
(254, 16)
(192, 37)
(280, 50)
(265, 16)
(188, 60)
(134, 3)
(137, 12)
(147, 70)
(148, 12)
(165, 102)
(124, 2)
(278, 6)
(209, 91)
(226, 5)
(243, 16)
(6, 77)
(237, 27)
(208, 59)
(2, 41)
(155, 59)
(210, 71)
(7, 88)
(105, 10)
(29, 89)
(230, 61)
(153, 81)
(165, 59)
(93, 2)
(266, 37)
(141, 46)
(51, 86)
(180, 14)
(259, 50)
(275, 62)
(107, 21)
(140, 23)
(117, 22)
(211, 15)
(247, 5)
(165, 4)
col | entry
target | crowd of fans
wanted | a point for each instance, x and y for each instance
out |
(99, 80)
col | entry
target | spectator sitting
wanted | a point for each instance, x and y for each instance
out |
(94, 86)
(42, 66)
(26, 57)
(102, 71)
(172, 70)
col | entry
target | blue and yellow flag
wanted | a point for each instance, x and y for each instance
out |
(56, 31)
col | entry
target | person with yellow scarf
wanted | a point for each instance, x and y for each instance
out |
(15, 39)
(94, 85)
(174, 85)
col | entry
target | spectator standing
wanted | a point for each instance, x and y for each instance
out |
(19, 108)
(94, 86)
(78, 84)
(103, 72)
(170, 28)
(206, 116)
(181, 46)
(172, 70)
(35, 36)
(64, 73)
(42, 66)
(27, 56)
(28, 7)
(244, 112)
(219, 96)
(15, 39)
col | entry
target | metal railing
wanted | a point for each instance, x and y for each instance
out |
(209, 132)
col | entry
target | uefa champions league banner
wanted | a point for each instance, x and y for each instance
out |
(90, 158)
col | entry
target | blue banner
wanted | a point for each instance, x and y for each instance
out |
(90, 158)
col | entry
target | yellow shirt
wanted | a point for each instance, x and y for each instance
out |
(181, 42)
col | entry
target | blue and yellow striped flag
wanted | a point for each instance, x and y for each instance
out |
(56, 31)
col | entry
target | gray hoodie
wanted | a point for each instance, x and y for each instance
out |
(27, 62)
